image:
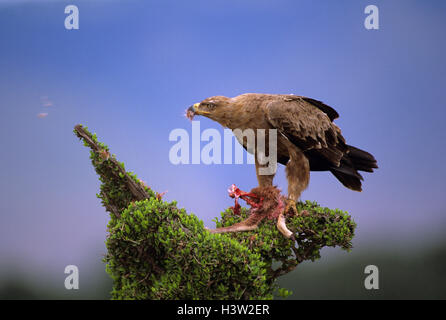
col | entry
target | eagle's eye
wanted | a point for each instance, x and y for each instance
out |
(210, 106)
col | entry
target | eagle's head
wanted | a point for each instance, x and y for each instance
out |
(217, 108)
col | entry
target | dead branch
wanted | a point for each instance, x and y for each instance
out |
(135, 188)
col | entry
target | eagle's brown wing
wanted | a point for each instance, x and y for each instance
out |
(329, 111)
(308, 124)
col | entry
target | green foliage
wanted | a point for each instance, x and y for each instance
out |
(321, 227)
(158, 251)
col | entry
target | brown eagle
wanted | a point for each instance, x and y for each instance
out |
(307, 138)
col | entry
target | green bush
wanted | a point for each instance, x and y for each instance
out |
(158, 251)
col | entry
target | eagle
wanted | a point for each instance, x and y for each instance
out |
(307, 138)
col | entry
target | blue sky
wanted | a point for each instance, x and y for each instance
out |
(133, 68)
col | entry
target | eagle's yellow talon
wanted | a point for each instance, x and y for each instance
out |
(291, 206)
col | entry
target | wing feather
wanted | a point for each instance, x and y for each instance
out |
(308, 126)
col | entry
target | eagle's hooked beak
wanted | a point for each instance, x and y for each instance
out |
(194, 110)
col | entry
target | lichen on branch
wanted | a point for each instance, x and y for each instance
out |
(158, 251)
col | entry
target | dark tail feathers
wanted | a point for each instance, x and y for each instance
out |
(347, 172)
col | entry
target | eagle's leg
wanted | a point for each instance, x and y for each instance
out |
(265, 180)
(298, 177)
